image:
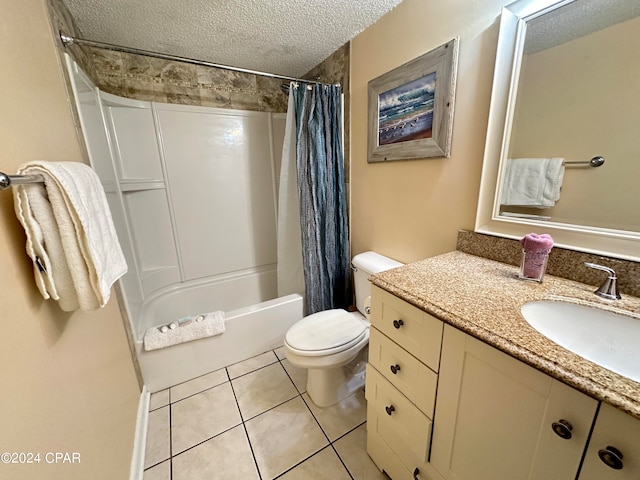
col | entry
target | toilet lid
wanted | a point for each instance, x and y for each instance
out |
(326, 330)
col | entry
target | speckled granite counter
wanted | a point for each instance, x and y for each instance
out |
(483, 298)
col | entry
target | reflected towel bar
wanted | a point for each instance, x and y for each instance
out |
(594, 162)
(7, 180)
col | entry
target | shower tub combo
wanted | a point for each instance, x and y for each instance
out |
(193, 194)
(249, 331)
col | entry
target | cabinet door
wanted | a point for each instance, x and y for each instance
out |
(614, 448)
(494, 417)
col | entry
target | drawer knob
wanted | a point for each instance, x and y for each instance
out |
(562, 428)
(416, 472)
(395, 368)
(398, 323)
(611, 457)
(390, 409)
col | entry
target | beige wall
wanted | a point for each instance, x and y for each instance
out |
(413, 209)
(68, 382)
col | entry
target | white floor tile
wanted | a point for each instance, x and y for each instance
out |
(202, 416)
(157, 448)
(186, 389)
(338, 419)
(159, 400)
(161, 471)
(251, 364)
(202, 428)
(283, 437)
(352, 448)
(297, 374)
(280, 353)
(324, 465)
(263, 389)
(225, 457)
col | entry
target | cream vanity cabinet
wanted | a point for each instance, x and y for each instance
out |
(498, 418)
(614, 448)
(401, 381)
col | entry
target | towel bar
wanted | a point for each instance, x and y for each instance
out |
(7, 180)
(594, 162)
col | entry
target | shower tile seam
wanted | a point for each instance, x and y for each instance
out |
(177, 83)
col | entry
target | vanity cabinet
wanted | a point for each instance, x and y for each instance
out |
(444, 405)
(614, 448)
(497, 417)
(401, 381)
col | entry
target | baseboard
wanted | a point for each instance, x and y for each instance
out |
(140, 438)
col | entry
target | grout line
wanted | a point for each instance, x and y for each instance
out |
(294, 383)
(302, 461)
(199, 392)
(314, 417)
(341, 461)
(170, 441)
(244, 427)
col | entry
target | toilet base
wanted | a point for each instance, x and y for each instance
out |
(327, 386)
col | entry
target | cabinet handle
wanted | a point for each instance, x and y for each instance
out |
(395, 368)
(398, 323)
(611, 457)
(416, 472)
(562, 428)
(390, 409)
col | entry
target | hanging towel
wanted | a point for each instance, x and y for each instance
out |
(532, 182)
(186, 329)
(70, 234)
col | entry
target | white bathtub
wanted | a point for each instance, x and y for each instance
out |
(249, 331)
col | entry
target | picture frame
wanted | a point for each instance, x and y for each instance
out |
(411, 107)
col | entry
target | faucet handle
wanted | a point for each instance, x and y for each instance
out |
(609, 289)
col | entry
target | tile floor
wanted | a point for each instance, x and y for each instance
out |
(254, 420)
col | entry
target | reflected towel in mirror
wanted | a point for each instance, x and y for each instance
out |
(532, 182)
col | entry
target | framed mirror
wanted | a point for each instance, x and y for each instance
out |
(565, 91)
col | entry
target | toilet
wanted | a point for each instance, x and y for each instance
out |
(332, 344)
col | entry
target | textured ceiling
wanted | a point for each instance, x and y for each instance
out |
(277, 36)
(575, 20)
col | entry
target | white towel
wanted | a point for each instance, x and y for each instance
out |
(70, 234)
(186, 329)
(532, 182)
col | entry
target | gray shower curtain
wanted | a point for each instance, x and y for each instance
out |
(323, 203)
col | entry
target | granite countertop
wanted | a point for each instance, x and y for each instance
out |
(483, 298)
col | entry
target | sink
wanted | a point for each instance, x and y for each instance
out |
(609, 339)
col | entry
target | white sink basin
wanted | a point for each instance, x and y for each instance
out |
(609, 339)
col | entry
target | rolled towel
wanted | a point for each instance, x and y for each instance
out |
(535, 250)
(184, 330)
(532, 242)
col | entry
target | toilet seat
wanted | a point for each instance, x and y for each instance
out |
(325, 333)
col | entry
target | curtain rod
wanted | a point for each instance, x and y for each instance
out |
(67, 40)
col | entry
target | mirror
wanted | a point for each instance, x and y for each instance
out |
(565, 86)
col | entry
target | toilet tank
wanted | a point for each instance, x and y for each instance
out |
(364, 265)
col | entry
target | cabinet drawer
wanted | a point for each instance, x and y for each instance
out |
(414, 379)
(414, 330)
(384, 458)
(405, 429)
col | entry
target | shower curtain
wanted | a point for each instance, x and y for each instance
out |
(321, 195)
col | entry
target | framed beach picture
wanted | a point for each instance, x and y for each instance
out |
(411, 107)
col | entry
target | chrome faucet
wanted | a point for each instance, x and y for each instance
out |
(609, 289)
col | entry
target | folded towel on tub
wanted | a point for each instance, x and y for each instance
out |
(71, 238)
(186, 329)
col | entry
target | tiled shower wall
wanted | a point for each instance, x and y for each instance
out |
(155, 80)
